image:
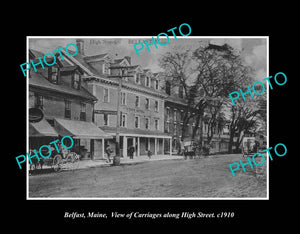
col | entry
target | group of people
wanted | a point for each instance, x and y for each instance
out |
(130, 151)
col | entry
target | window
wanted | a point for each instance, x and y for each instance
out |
(123, 98)
(147, 123)
(167, 127)
(123, 120)
(53, 76)
(181, 116)
(105, 69)
(83, 112)
(105, 120)
(105, 95)
(76, 81)
(156, 106)
(137, 121)
(168, 113)
(137, 101)
(67, 109)
(147, 81)
(39, 101)
(175, 129)
(156, 124)
(156, 84)
(138, 78)
(123, 71)
(147, 106)
(175, 115)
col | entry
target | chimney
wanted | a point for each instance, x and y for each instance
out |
(128, 59)
(80, 46)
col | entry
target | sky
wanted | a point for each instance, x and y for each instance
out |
(253, 50)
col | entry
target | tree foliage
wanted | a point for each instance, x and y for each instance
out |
(207, 75)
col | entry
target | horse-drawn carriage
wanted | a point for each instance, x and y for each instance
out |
(249, 146)
(65, 159)
(189, 149)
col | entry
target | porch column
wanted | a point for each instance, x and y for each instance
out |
(92, 149)
(133, 143)
(163, 146)
(155, 146)
(103, 155)
(138, 147)
(124, 146)
(170, 145)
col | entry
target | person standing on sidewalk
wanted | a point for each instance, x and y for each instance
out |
(108, 151)
(131, 151)
(149, 154)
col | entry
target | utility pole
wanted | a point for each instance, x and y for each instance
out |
(116, 159)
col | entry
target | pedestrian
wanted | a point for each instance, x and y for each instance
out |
(131, 151)
(149, 154)
(108, 151)
(185, 152)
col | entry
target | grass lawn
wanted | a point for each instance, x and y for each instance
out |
(197, 178)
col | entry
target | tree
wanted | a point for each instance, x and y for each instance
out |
(178, 72)
(207, 75)
(244, 117)
(218, 69)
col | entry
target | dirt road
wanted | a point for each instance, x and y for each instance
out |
(201, 178)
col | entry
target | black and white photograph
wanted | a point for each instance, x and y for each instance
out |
(137, 118)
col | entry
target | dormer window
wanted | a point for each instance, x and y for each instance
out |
(76, 81)
(138, 78)
(147, 81)
(105, 69)
(53, 75)
(156, 84)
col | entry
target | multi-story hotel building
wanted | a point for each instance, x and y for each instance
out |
(79, 97)
(141, 102)
(67, 107)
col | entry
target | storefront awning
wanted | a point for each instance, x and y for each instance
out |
(41, 129)
(79, 129)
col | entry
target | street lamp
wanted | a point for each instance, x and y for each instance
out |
(116, 159)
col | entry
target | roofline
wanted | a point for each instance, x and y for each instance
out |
(77, 63)
(91, 99)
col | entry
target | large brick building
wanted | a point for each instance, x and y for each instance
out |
(66, 104)
(141, 102)
(79, 97)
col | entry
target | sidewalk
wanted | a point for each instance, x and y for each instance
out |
(126, 161)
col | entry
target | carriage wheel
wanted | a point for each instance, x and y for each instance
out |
(57, 161)
(75, 161)
(72, 161)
